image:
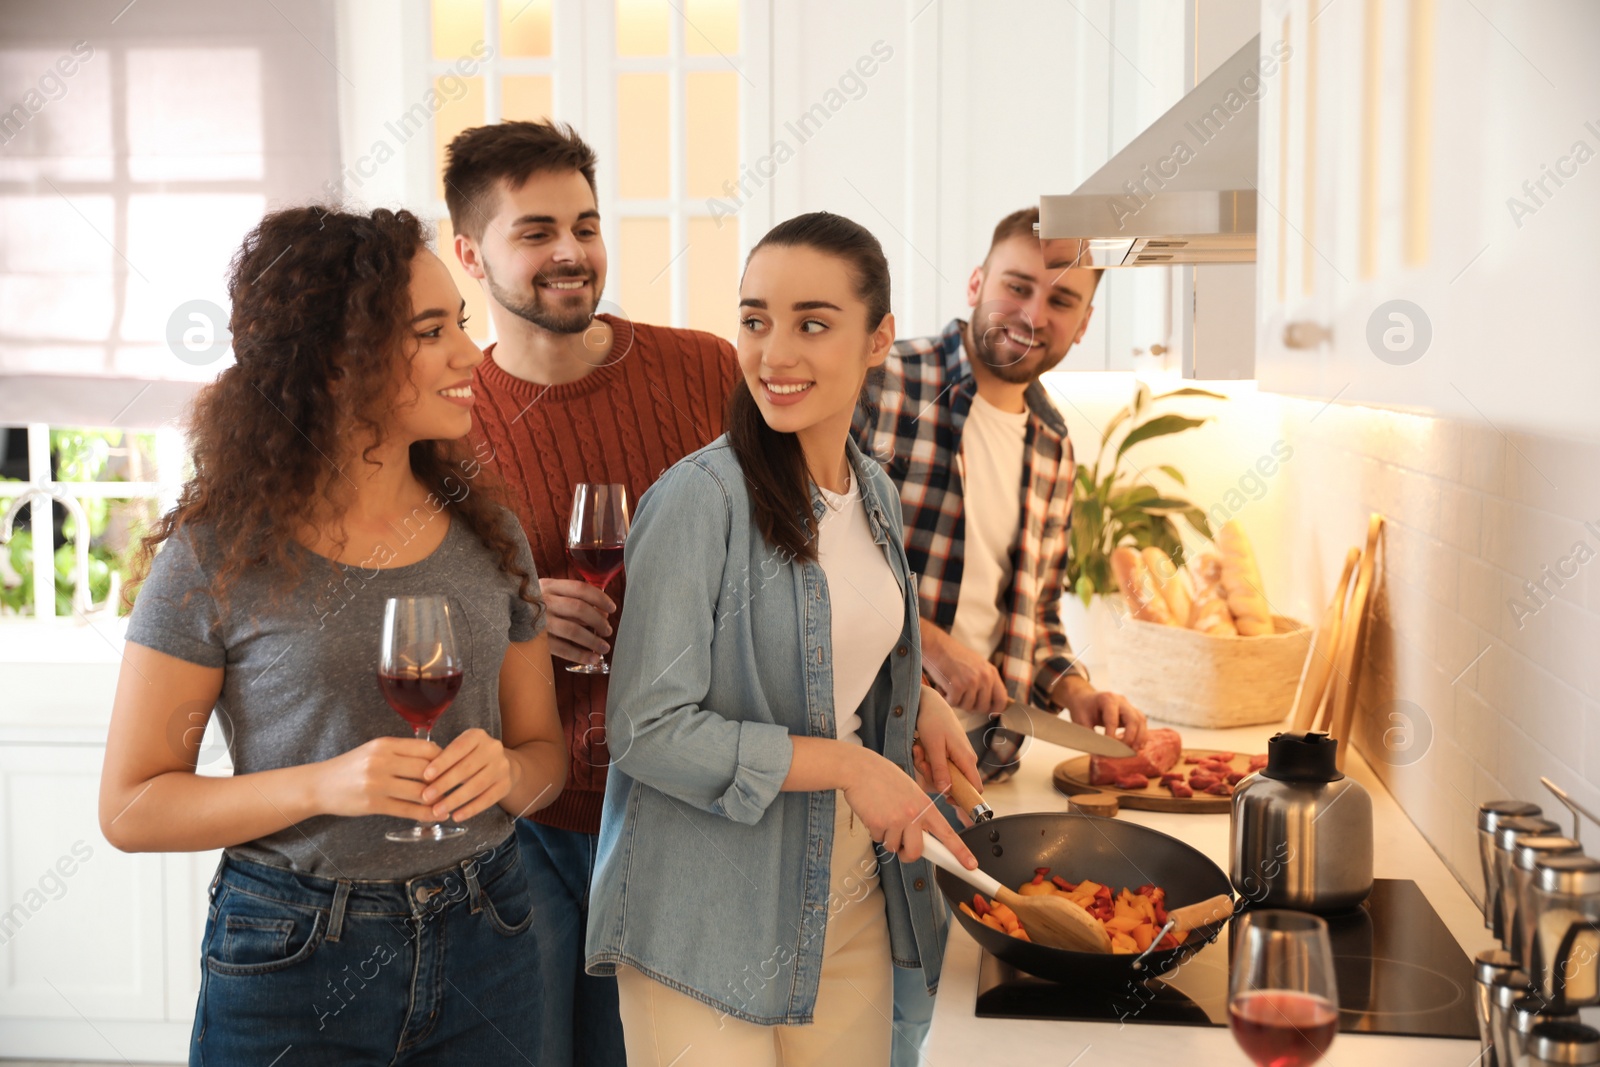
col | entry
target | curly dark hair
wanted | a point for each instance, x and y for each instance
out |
(321, 303)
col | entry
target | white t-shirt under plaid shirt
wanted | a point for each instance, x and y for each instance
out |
(912, 421)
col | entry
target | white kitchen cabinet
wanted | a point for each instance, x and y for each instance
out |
(1427, 200)
(1303, 189)
(1146, 41)
(99, 949)
(83, 927)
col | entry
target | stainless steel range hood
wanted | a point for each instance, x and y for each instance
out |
(1183, 191)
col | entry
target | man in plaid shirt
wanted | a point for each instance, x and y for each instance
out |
(985, 472)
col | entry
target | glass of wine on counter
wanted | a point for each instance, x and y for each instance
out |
(1283, 1005)
(419, 672)
(595, 536)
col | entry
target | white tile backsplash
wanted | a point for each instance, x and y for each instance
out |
(1472, 515)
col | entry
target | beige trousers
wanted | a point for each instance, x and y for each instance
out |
(855, 1001)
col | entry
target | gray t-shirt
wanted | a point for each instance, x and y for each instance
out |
(300, 682)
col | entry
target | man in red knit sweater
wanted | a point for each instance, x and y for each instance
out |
(568, 396)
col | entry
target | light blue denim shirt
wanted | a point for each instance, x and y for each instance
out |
(709, 879)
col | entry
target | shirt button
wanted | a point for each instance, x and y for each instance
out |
(902, 650)
(899, 711)
(919, 885)
(819, 654)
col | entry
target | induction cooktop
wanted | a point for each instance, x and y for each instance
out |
(1399, 972)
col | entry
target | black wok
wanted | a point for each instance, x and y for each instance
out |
(1077, 847)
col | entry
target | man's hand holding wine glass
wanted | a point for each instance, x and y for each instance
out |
(579, 619)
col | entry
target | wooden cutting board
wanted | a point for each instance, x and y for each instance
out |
(1072, 777)
(1347, 678)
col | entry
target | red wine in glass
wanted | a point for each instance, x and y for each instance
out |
(420, 700)
(1283, 1004)
(597, 563)
(1283, 1028)
(595, 536)
(419, 674)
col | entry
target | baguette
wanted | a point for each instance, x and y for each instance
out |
(1172, 582)
(1241, 582)
(1138, 588)
(1209, 611)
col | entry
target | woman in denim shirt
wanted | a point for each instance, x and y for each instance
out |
(760, 855)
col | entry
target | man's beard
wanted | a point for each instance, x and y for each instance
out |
(537, 310)
(1017, 372)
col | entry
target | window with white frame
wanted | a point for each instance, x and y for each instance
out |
(656, 87)
(106, 487)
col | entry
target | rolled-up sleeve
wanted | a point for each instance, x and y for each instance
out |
(658, 728)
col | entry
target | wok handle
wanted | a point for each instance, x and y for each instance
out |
(940, 856)
(967, 798)
(1191, 916)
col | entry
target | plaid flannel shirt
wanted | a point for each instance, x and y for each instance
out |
(911, 423)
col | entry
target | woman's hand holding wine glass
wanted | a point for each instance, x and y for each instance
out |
(419, 673)
(470, 776)
(381, 777)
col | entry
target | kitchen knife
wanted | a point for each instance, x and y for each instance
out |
(1025, 719)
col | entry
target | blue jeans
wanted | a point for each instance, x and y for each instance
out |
(581, 1022)
(441, 968)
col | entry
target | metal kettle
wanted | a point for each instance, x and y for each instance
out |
(1301, 832)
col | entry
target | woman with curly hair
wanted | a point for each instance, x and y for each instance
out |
(329, 475)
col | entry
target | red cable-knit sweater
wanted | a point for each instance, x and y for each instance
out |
(660, 396)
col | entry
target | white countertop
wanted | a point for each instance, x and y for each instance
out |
(960, 1039)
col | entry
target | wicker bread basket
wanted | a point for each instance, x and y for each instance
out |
(1194, 679)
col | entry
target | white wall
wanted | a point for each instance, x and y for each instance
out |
(980, 110)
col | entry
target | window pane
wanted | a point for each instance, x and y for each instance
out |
(711, 112)
(471, 289)
(525, 97)
(714, 275)
(525, 27)
(176, 272)
(457, 26)
(642, 27)
(646, 289)
(462, 108)
(642, 127)
(56, 276)
(194, 113)
(68, 139)
(710, 27)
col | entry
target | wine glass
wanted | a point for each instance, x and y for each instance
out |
(1283, 1005)
(595, 535)
(419, 672)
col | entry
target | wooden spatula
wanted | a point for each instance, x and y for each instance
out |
(1053, 921)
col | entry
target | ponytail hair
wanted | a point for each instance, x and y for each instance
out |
(774, 465)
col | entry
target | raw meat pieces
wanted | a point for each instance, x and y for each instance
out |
(1160, 753)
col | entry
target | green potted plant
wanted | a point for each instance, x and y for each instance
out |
(1115, 502)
